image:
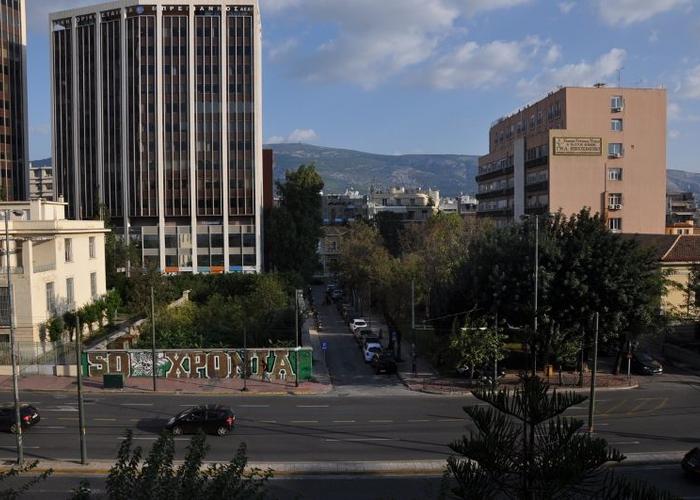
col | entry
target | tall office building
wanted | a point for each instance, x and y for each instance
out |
(157, 117)
(600, 147)
(13, 101)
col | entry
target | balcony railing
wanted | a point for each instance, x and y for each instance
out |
(13, 270)
(45, 267)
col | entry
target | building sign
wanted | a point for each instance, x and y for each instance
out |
(578, 146)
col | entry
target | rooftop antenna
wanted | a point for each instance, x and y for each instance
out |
(619, 76)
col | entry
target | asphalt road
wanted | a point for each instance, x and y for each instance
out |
(667, 477)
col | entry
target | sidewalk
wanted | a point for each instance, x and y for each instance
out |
(144, 385)
(311, 338)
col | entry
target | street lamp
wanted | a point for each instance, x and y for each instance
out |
(13, 350)
(537, 267)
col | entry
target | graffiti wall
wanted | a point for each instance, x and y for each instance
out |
(273, 365)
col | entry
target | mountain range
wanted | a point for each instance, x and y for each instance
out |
(343, 169)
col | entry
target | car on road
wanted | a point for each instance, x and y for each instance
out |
(384, 363)
(362, 334)
(691, 463)
(27, 413)
(357, 324)
(371, 350)
(645, 364)
(212, 419)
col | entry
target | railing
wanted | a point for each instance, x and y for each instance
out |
(13, 270)
(44, 267)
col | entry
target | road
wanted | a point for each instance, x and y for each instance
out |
(667, 477)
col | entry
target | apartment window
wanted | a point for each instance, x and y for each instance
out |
(50, 298)
(616, 125)
(69, 249)
(92, 247)
(615, 224)
(5, 318)
(614, 174)
(615, 201)
(615, 150)
(93, 285)
(70, 295)
(617, 103)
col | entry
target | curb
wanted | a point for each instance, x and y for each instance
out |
(467, 392)
(232, 392)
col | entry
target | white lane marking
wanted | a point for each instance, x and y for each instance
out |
(304, 421)
(139, 438)
(269, 421)
(450, 420)
(67, 418)
(64, 409)
(136, 404)
(344, 421)
(623, 442)
(254, 406)
(313, 406)
(419, 420)
(52, 427)
(381, 421)
(106, 419)
(360, 439)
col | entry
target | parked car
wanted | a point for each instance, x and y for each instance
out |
(370, 339)
(212, 419)
(357, 323)
(384, 363)
(691, 463)
(644, 364)
(362, 333)
(371, 350)
(27, 413)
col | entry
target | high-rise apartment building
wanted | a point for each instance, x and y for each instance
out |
(600, 147)
(13, 100)
(157, 117)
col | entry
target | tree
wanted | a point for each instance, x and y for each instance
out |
(294, 228)
(475, 344)
(523, 448)
(133, 478)
(118, 252)
(15, 471)
(390, 226)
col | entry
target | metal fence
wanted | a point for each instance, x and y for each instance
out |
(37, 357)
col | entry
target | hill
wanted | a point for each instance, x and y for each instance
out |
(344, 168)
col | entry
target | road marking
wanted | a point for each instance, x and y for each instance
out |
(52, 427)
(106, 419)
(450, 420)
(313, 406)
(136, 404)
(149, 438)
(614, 407)
(623, 442)
(660, 405)
(304, 421)
(344, 421)
(64, 409)
(419, 420)
(134, 420)
(360, 439)
(269, 421)
(254, 406)
(67, 418)
(381, 421)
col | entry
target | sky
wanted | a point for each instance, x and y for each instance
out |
(429, 76)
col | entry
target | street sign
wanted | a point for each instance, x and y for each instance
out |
(324, 346)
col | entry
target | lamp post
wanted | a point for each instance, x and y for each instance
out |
(533, 349)
(154, 361)
(13, 347)
(591, 407)
(81, 409)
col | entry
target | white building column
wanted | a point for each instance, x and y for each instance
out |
(223, 85)
(518, 178)
(192, 72)
(258, 142)
(159, 137)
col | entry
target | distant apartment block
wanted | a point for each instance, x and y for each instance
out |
(601, 147)
(681, 213)
(56, 264)
(13, 100)
(343, 208)
(412, 204)
(157, 115)
(329, 248)
(40, 182)
(464, 205)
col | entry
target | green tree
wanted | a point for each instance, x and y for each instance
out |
(391, 227)
(118, 252)
(294, 228)
(134, 478)
(475, 344)
(524, 448)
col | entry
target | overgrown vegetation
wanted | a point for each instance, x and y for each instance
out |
(99, 313)
(14, 472)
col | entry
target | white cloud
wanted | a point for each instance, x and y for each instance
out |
(472, 7)
(278, 51)
(691, 83)
(673, 110)
(566, 7)
(306, 135)
(654, 36)
(472, 65)
(673, 134)
(626, 12)
(581, 74)
(553, 55)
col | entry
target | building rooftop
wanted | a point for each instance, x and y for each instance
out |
(671, 247)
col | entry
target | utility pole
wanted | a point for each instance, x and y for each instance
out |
(245, 358)
(591, 406)
(153, 340)
(413, 326)
(629, 362)
(495, 357)
(537, 271)
(296, 336)
(13, 346)
(81, 409)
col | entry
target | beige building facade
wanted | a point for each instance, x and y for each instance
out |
(413, 204)
(56, 265)
(599, 147)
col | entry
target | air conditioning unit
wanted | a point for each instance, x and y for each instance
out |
(615, 155)
(615, 206)
(616, 109)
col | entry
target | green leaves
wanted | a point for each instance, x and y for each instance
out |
(14, 472)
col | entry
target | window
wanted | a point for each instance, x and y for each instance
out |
(617, 103)
(93, 285)
(616, 125)
(614, 174)
(615, 201)
(70, 296)
(50, 298)
(615, 224)
(92, 247)
(615, 150)
(69, 250)
(4, 306)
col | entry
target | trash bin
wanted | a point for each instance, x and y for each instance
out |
(113, 381)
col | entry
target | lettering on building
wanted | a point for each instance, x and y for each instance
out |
(578, 146)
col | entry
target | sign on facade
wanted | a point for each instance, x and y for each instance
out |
(578, 146)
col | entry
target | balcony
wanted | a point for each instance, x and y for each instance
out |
(487, 173)
(495, 193)
(536, 162)
(13, 270)
(51, 266)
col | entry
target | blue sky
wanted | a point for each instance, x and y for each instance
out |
(429, 76)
